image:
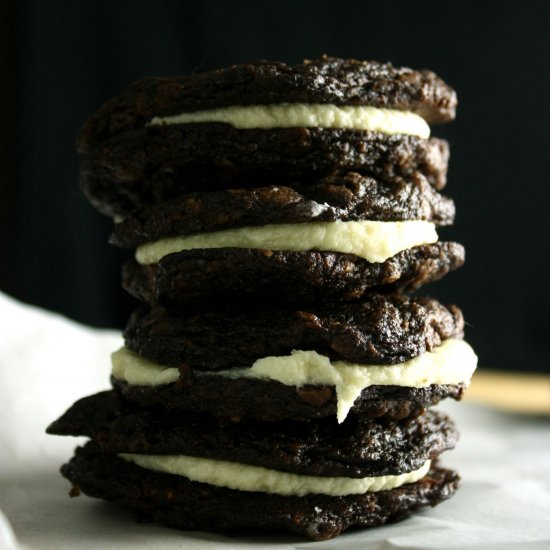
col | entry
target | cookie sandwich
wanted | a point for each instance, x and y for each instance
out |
(277, 375)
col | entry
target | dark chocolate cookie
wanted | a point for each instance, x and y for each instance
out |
(178, 502)
(327, 80)
(245, 399)
(154, 164)
(381, 329)
(357, 448)
(349, 197)
(203, 279)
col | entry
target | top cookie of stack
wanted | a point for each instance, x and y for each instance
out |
(165, 136)
(234, 162)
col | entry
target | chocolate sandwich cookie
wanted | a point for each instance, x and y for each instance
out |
(381, 329)
(204, 279)
(232, 274)
(388, 356)
(324, 81)
(263, 123)
(177, 501)
(358, 448)
(346, 197)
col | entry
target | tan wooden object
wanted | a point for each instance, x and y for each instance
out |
(512, 391)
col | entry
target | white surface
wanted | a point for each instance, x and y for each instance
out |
(504, 461)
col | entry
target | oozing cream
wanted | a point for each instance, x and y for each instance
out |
(452, 362)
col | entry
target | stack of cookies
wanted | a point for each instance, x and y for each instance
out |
(277, 375)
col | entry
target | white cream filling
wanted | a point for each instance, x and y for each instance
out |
(453, 362)
(375, 241)
(138, 371)
(243, 477)
(292, 115)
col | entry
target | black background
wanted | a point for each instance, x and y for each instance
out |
(60, 60)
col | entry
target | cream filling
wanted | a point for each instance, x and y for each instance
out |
(243, 477)
(129, 367)
(372, 240)
(292, 115)
(453, 362)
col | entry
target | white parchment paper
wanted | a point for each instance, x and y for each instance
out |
(47, 362)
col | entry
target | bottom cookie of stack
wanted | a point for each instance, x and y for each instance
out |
(313, 478)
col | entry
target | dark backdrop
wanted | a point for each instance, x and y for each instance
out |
(60, 60)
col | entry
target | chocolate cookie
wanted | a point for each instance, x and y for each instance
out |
(349, 197)
(176, 501)
(204, 279)
(327, 81)
(245, 399)
(358, 448)
(381, 329)
(154, 164)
